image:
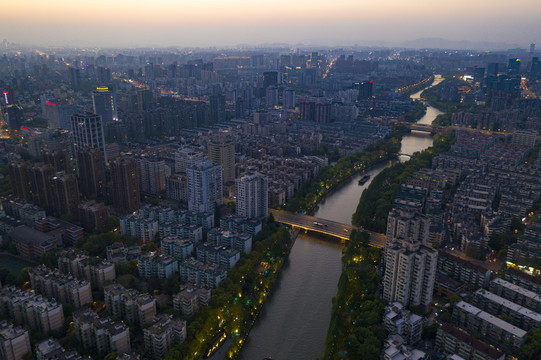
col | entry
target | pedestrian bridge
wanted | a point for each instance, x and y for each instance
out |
(323, 226)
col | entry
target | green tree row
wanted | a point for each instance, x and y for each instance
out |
(356, 330)
(235, 304)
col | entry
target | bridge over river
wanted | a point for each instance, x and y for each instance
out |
(324, 226)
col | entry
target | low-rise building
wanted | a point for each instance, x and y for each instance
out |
(471, 274)
(524, 280)
(50, 349)
(398, 320)
(176, 247)
(32, 243)
(27, 308)
(475, 321)
(93, 269)
(102, 335)
(230, 239)
(204, 275)
(129, 304)
(217, 255)
(190, 299)
(14, 342)
(395, 348)
(139, 227)
(521, 317)
(164, 333)
(160, 266)
(64, 288)
(451, 340)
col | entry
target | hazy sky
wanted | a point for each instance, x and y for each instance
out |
(213, 22)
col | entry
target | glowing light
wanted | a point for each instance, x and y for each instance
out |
(50, 103)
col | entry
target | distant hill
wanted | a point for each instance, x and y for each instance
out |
(439, 43)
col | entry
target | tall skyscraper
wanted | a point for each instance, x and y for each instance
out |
(221, 151)
(204, 186)
(65, 194)
(410, 265)
(87, 130)
(91, 172)
(104, 102)
(125, 178)
(252, 196)
(532, 48)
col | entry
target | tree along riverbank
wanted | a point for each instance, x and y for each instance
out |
(235, 304)
(356, 330)
(376, 200)
(310, 193)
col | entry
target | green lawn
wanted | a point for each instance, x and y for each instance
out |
(14, 265)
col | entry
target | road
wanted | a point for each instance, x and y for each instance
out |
(327, 227)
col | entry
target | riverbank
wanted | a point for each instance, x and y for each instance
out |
(356, 330)
(376, 201)
(238, 300)
(310, 193)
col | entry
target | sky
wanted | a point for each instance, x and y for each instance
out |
(202, 23)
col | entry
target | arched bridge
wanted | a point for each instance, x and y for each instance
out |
(323, 226)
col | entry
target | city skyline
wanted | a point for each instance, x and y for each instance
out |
(213, 23)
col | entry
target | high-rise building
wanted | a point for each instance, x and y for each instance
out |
(289, 98)
(75, 77)
(252, 196)
(410, 265)
(40, 187)
(104, 102)
(187, 157)
(87, 129)
(152, 173)
(513, 67)
(532, 48)
(205, 187)
(125, 178)
(217, 108)
(270, 78)
(221, 151)
(65, 194)
(57, 115)
(14, 116)
(271, 96)
(492, 70)
(91, 172)
(57, 159)
(365, 89)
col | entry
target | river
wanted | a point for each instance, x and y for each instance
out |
(294, 322)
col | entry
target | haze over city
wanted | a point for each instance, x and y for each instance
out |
(128, 23)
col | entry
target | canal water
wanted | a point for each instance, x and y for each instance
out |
(294, 322)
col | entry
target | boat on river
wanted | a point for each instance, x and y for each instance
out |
(364, 179)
